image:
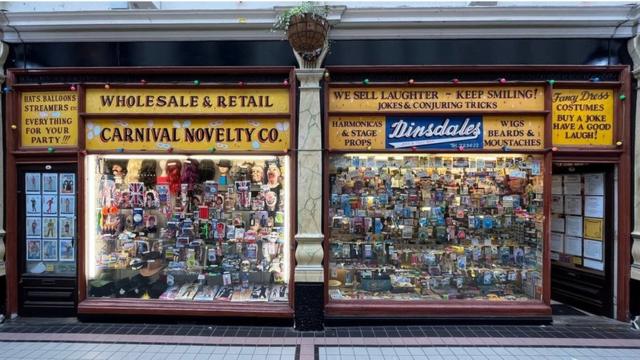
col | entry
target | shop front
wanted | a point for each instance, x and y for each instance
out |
(152, 198)
(440, 194)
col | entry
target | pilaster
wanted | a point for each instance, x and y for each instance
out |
(634, 50)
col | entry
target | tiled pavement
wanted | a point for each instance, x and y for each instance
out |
(569, 338)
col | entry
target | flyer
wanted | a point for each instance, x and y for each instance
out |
(594, 184)
(593, 228)
(573, 226)
(557, 242)
(593, 249)
(573, 245)
(573, 205)
(594, 206)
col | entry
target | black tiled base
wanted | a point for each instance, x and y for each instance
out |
(309, 315)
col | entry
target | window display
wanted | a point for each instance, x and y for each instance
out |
(198, 228)
(50, 223)
(435, 227)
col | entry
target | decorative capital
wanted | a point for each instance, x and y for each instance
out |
(310, 78)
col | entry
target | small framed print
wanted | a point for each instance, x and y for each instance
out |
(67, 205)
(50, 250)
(49, 205)
(50, 227)
(34, 249)
(33, 204)
(66, 228)
(67, 183)
(67, 251)
(34, 227)
(49, 183)
(32, 183)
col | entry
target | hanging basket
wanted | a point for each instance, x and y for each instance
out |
(307, 33)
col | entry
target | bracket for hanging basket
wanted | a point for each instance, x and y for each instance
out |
(307, 34)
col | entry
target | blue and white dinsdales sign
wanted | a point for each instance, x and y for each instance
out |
(434, 132)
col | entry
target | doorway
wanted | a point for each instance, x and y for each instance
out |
(47, 228)
(582, 236)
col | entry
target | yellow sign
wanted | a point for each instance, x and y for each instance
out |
(582, 117)
(436, 99)
(593, 228)
(49, 119)
(187, 101)
(517, 132)
(187, 135)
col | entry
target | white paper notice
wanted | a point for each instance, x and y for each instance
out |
(594, 206)
(557, 224)
(555, 256)
(573, 226)
(592, 249)
(557, 242)
(594, 184)
(573, 205)
(557, 204)
(592, 264)
(572, 188)
(573, 245)
(572, 178)
(556, 184)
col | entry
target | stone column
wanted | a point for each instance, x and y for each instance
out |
(634, 50)
(4, 52)
(309, 271)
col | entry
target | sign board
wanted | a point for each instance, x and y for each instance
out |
(517, 132)
(436, 99)
(49, 119)
(187, 101)
(187, 135)
(582, 117)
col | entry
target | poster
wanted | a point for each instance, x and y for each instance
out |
(32, 183)
(50, 227)
(66, 228)
(50, 250)
(556, 184)
(557, 242)
(573, 245)
(593, 228)
(34, 249)
(67, 205)
(50, 205)
(573, 225)
(49, 183)
(594, 184)
(573, 205)
(593, 249)
(557, 204)
(33, 204)
(557, 224)
(67, 251)
(572, 188)
(594, 206)
(593, 264)
(33, 227)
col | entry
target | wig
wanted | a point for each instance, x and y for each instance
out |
(133, 170)
(148, 173)
(207, 171)
(189, 173)
(173, 173)
(110, 163)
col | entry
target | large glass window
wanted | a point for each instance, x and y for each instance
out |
(198, 228)
(435, 227)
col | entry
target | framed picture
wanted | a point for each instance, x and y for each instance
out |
(66, 228)
(33, 204)
(67, 205)
(50, 227)
(50, 250)
(32, 183)
(34, 249)
(67, 183)
(33, 227)
(49, 183)
(67, 251)
(49, 205)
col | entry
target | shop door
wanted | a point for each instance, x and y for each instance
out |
(47, 228)
(582, 236)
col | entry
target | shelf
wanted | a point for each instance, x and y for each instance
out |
(99, 306)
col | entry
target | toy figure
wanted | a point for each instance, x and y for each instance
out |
(257, 174)
(223, 169)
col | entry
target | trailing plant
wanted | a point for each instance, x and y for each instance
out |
(311, 8)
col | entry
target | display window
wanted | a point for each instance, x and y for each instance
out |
(188, 228)
(435, 227)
